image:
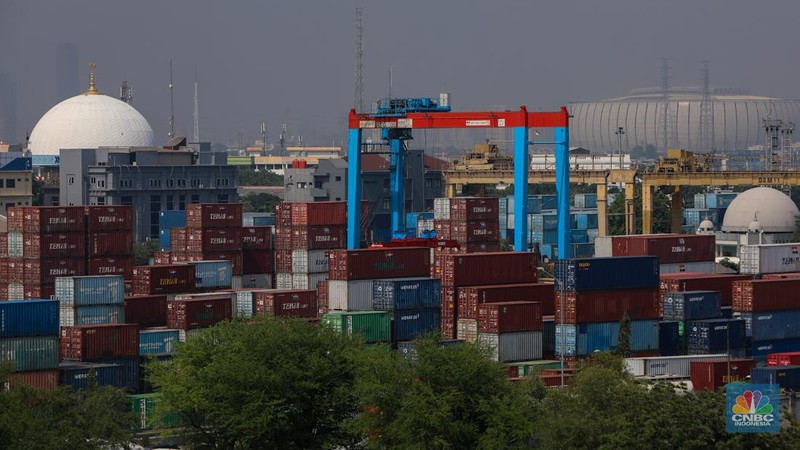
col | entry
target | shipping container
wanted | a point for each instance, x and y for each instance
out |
(449, 327)
(307, 280)
(257, 219)
(256, 261)
(212, 274)
(586, 338)
(548, 335)
(780, 276)
(692, 305)
(475, 231)
(112, 265)
(309, 261)
(51, 219)
(48, 245)
(177, 239)
(714, 374)
(157, 341)
(294, 303)
(784, 359)
(788, 377)
(318, 213)
(244, 305)
(721, 283)
(163, 279)
(766, 295)
(406, 293)
(76, 375)
(148, 416)
(29, 318)
(90, 290)
(104, 218)
(283, 281)
(355, 295)
(36, 291)
(678, 366)
(146, 310)
(772, 325)
(760, 349)
(372, 326)
(257, 238)
(92, 342)
(441, 209)
(669, 342)
(606, 306)
(235, 258)
(585, 200)
(108, 243)
(617, 273)
(408, 349)
(30, 353)
(12, 269)
(604, 246)
(408, 324)
(688, 267)
(367, 264)
(715, 334)
(171, 219)
(481, 269)
(40, 379)
(319, 237)
(669, 248)
(518, 346)
(252, 281)
(283, 238)
(91, 315)
(45, 271)
(509, 317)
(213, 240)
(473, 208)
(188, 314)
(467, 330)
(769, 258)
(213, 215)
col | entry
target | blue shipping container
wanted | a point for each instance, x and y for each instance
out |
(534, 205)
(542, 222)
(406, 293)
(157, 341)
(668, 339)
(760, 349)
(773, 325)
(788, 377)
(91, 290)
(586, 338)
(548, 336)
(585, 200)
(91, 315)
(579, 237)
(30, 353)
(585, 221)
(715, 334)
(29, 318)
(408, 349)
(619, 272)
(130, 370)
(585, 250)
(407, 324)
(691, 305)
(164, 239)
(212, 274)
(171, 219)
(76, 375)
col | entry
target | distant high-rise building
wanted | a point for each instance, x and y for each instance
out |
(67, 83)
(8, 109)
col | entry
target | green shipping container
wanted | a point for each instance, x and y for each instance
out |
(144, 405)
(529, 367)
(373, 326)
(30, 353)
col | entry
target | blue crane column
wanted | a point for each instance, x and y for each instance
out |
(521, 167)
(354, 189)
(397, 164)
(562, 192)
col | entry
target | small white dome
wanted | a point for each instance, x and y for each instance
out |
(754, 227)
(774, 211)
(90, 121)
(706, 225)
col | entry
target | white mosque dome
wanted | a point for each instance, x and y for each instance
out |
(90, 120)
(706, 225)
(770, 209)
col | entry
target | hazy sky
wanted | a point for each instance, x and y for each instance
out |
(294, 60)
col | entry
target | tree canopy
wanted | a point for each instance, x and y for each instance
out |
(262, 202)
(249, 177)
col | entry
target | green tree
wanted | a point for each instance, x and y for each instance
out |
(662, 221)
(624, 345)
(143, 251)
(262, 202)
(250, 177)
(38, 192)
(265, 384)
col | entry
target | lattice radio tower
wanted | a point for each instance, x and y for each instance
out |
(359, 88)
(668, 131)
(705, 138)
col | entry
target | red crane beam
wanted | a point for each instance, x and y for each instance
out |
(473, 119)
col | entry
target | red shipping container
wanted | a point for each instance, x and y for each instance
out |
(109, 243)
(474, 208)
(689, 281)
(53, 219)
(112, 265)
(766, 295)
(190, 314)
(162, 258)
(780, 276)
(3, 245)
(258, 261)
(15, 217)
(109, 218)
(607, 306)
(510, 317)
(443, 228)
(32, 290)
(257, 238)
(45, 271)
(479, 247)
(450, 307)
(319, 213)
(214, 215)
(177, 240)
(784, 359)
(449, 328)
(283, 214)
(554, 380)
(213, 240)
(476, 231)
(478, 269)
(54, 245)
(319, 237)
(167, 279)
(288, 303)
(283, 238)
(322, 297)
(92, 342)
(712, 375)
(372, 263)
(235, 257)
(42, 379)
(469, 298)
(283, 261)
(12, 269)
(146, 310)
(670, 248)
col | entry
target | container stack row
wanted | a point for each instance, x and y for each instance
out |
(213, 232)
(771, 310)
(473, 222)
(677, 253)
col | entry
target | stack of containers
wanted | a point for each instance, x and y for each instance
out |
(784, 359)
(165, 279)
(769, 258)
(149, 312)
(285, 303)
(415, 305)
(677, 253)
(597, 292)
(167, 220)
(109, 239)
(512, 330)
(537, 204)
(258, 259)
(682, 306)
(722, 283)
(29, 340)
(708, 205)
(304, 233)
(716, 336)
(771, 311)
(110, 350)
(190, 312)
(471, 221)
(213, 232)
(91, 300)
(419, 224)
(788, 377)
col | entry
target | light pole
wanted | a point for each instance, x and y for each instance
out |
(560, 289)
(620, 131)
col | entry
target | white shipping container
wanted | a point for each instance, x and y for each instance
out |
(467, 330)
(694, 267)
(307, 280)
(510, 347)
(309, 261)
(441, 208)
(244, 303)
(354, 295)
(603, 247)
(15, 244)
(283, 281)
(185, 334)
(769, 258)
(665, 365)
(510, 223)
(16, 291)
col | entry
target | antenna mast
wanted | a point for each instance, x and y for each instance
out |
(171, 104)
(196, 134)
(705, 142)
(125, 93)
(263, 138)
(359, 100)
(665, 99)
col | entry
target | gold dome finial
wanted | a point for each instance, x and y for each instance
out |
(92, 90)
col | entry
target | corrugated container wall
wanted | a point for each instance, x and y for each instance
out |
(606, 306)
(91, 315)
(91, 290)
(788, 377)
(715, 334)
(309, 261)
(163, 279)
(406, 293)
(617, 273)
(410, 323)
(702, 282)
(115, 217)
(29, 318)
(654, 366)
(769, 258)
(76, 375)
(688, 267)
(157, 341)
(146, 310)
(198, 313)
(30, 353)
(508, 347)
(86, 343)
(373, 326)
(214, 215)
(470, 297)
(691, 305)
(295, 303)
(584, 339)
(353, 295)
(510, 317)
(669, 248)
(212, 274)
(489, 268)
(712, 375)
(770, 325)
(766, 295)
(366, 264)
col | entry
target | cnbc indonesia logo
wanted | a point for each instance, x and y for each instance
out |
(752, 411)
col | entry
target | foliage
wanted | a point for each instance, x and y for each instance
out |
(249, 177)
(725, 262)
(38, 192)
(648, 152)
(143, 251)
(33, 418)
(265, 384)
(624, 345)
(259, 202)
(662, 221)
